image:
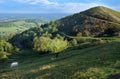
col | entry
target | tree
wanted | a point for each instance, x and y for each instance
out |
(45, 44)
(58, 45)
(6, 49)
(42, 44)
(112, 31)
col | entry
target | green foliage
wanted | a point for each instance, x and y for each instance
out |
(45, 44)
(91, 73)
(2, 55)
(58, 45)
(112, 31)
(42, 44)
(46, 34)
(73, 42)
(58, 36)
(79, 34)
(6, 49)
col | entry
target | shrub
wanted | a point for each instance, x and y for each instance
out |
(91, 73)
(73, 42)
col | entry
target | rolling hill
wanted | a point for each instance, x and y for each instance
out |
(92, 22)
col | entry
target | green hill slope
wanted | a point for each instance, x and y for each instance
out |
(91, 22)
(98, 62)
(103, 13)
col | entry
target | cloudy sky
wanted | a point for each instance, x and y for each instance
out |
(54, 6)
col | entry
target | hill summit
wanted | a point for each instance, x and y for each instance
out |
(103, 13)
(92, 22)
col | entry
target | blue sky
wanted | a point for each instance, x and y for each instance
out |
(54, 6)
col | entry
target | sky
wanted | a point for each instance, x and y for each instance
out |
(54, 6)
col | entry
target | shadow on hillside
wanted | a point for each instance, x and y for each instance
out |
(116, 76)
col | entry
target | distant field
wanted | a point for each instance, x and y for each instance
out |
(18, 26)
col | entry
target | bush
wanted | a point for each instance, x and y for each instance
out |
(81, 40)
(73, 42)
(91, 73)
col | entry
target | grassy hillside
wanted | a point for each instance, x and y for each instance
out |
(19, 25)
(98, 62)
(103, 13)
(91, 22)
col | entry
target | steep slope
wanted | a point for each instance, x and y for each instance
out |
(103, 13)
(91, 22)
(99, 62)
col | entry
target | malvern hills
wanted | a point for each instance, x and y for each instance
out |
(97, 21)
(94, 21)
(84, 45)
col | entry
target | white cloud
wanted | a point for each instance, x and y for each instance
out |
(76, 7)
(33, 2)
(55, 7)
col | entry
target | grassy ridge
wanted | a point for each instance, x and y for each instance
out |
(97, 62)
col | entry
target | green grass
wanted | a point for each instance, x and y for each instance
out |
(96, 62)
(16, 26)
(114, 12)
(10, 29)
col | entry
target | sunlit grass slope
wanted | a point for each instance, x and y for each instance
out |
(98, 62)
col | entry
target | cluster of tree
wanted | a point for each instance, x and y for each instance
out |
(46, 44)
(114, 30)
(25, 39)
(6, 49)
